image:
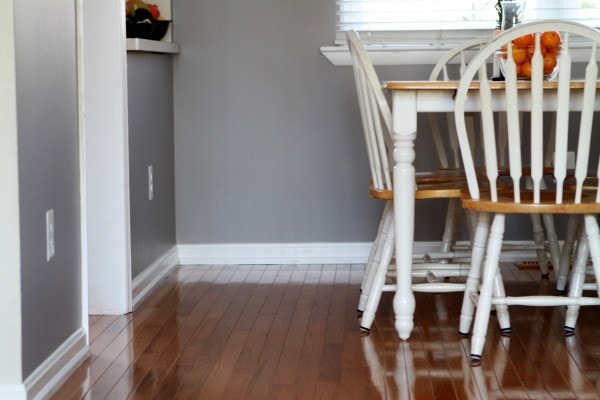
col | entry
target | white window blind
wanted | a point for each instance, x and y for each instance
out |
(381, 18)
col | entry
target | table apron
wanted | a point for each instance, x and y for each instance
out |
(443, 101)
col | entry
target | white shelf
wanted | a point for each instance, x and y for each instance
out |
(153, 46)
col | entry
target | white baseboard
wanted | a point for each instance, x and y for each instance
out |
(142, 284)
(48, 377)
(274, 253)
(301, 253)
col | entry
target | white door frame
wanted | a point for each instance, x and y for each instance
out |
(105, 158)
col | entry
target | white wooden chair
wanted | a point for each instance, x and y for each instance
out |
(447, 150)
(491, 200)
(377, 118)
(449, 156)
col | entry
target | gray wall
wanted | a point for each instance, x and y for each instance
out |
(268, 142)
(269, 146)
(150, 100)
(48, 174)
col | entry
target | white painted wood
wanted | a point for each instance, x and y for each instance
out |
(513, 124)
(275, 253)
(107, 190)
(375, 287)
(537, 120)
(573, 226)
(377, 124)
(490, 292)
(314, 253)
(385, 225)
(82, 168)
(143, 284)
(585, 129)
(490, 270)
(577, 278)
(472, 285)
(410, 97)
(10, 247)
(462, 53)
(58, 367)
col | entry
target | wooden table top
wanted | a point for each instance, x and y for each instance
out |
(453, 85)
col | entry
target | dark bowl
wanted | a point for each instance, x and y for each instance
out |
(152, 30)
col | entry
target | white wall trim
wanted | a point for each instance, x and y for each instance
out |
(340, 55)
(302, 253)
(106, 159)
(274, 253)
(48, 377)
(147, 280)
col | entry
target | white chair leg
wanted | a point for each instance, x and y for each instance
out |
(593, 236)
(372, 254)
(484, 304)
(502, 314)
(376, 287)
(552, 240)
(374, 261)
(453, 213)
(576, 282)
(573, 225)
(472, 285)
(471, 224)
(538, 237)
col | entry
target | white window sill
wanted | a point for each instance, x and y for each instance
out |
(402, 47)
(410, 55)
(386, 55)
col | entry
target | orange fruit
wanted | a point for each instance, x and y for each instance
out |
(550, 38)
(526, 40)
(519, 54)
(549, 64)
(553, 50)
(526, 69)
(531, 50)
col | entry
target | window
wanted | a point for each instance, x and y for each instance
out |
(383, 19)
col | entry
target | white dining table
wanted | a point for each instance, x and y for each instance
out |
(408, 99)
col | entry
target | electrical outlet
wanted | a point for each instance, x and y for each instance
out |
(49, 234)
(150, 183)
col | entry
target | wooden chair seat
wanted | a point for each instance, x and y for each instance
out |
(441, 190)
(547, 204)
(440, 176)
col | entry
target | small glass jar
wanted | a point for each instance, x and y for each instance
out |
(512, 13)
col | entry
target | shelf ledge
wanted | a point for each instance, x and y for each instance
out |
(153, 46)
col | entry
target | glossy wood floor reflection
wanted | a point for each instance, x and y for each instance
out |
(291, 332)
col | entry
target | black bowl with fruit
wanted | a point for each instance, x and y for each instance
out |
(143, 21)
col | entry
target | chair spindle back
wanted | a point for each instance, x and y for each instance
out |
(531, 96)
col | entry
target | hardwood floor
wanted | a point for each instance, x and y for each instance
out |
(291, 332)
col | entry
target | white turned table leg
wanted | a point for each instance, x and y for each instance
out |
(405, 128)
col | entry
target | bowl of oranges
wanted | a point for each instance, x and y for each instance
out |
(523, 49)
